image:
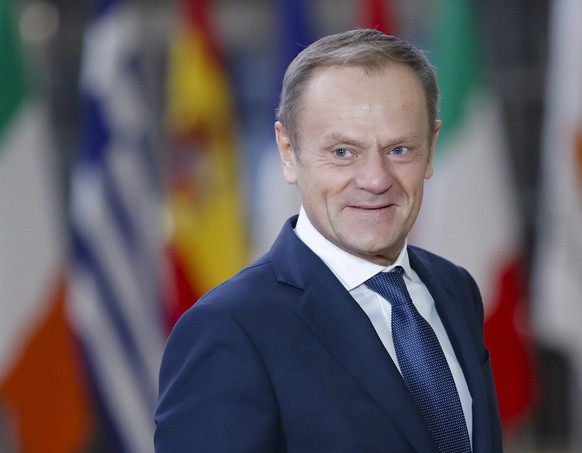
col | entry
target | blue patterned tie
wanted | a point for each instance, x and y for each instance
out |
(423, 365)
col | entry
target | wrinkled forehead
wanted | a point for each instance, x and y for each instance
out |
(334, 86)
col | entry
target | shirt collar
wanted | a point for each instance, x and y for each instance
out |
(351, 270)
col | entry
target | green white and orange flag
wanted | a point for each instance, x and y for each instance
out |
(41, 387)
(470, 212)
(207, 233)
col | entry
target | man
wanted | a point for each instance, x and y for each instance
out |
(315, 348)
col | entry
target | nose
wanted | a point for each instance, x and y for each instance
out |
(374, 173)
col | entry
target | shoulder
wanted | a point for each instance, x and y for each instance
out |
(245, 282)
(252, 297)
(212, 372)
(222, 316)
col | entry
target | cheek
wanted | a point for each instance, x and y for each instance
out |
(311, 190)
(323, 185)
(413, 185)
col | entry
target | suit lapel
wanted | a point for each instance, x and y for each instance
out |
(337, 320)
(342, 326)
(448, 306)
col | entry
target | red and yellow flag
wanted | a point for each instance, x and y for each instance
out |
(207, 237)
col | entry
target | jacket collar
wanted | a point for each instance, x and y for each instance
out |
(339, 323)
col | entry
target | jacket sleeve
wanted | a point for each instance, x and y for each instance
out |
(215, 394)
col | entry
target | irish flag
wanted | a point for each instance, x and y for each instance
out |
(469, 213)
(42, 397)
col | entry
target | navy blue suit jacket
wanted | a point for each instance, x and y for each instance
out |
(281, 358)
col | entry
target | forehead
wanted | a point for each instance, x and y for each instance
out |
(393, 93)
(391, 79)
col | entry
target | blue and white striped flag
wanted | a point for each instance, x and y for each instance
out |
(115, 295)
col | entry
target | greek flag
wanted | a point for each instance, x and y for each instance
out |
(114, 301)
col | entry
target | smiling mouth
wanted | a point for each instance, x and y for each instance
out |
(373, 208)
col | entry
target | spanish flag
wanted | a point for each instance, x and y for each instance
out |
(207, 234)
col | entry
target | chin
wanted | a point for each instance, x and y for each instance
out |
(374, 248)
(375, 241)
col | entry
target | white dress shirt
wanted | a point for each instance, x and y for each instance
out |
(353, 271)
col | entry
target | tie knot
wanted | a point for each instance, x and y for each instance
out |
(398, 270)
(391, 286)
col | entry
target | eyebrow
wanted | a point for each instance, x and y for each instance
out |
(342, 138)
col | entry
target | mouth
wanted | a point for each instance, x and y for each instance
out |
(373, 211)
(372, 208)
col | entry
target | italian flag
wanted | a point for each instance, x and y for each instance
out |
(470, 213)
(39, 377)
(557, 282)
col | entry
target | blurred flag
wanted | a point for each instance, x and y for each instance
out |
(470, 210)
(557, 282)
(293, 35)
(41, 384)
(275, 199)
(378, 15)
(207, 233)
(114, 302)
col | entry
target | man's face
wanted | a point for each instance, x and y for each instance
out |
(364, 150)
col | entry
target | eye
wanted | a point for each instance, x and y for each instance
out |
(399, 150)
(342, 153)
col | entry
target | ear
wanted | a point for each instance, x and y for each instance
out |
(286, 153)
(435, 133)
